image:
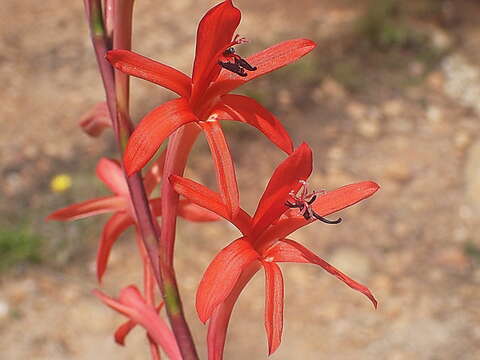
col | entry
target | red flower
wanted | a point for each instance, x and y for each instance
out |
(132, 304)
(110, 173)
(204, 98)
(265, 243)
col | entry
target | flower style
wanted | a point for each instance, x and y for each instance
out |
(264, 244)
(110, 173)
(204, 98)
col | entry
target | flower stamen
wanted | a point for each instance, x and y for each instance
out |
(234, 62)
(303, 200)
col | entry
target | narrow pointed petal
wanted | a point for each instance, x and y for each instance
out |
(266, 61)
(214, 34)
(154, 128)
(208, 199)
(343, 197)
(273, 305)
(89, 208)
(285, 178)
(246, 110)
(114, 304)
(131, 304)
(324, 205)
(225, 170)
(287, 250)
(122, 332)
(114, 227)
(154, 175)
(222, 275)
(142, 67)
(186, 209)
(111, 174)
(96, 120)
(200, 195)
(218, 324)
(194, 212)
(124, 329)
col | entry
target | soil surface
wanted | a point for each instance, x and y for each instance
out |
(398, 106)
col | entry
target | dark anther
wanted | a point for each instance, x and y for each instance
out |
(310, 202)
(290, 205)
(326, 221)
(295, 206)
(244, 64)
(233, 67)
(229, 51)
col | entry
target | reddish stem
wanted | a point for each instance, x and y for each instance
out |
(179, 148)
(148, 228)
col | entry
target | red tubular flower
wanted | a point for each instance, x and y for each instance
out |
(217, 70)
(111, 174)
(264, 244)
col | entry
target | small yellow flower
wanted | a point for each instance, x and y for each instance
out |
(61, 182)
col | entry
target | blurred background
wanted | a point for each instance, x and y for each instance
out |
(390, 94)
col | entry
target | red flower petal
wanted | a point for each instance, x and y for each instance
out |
(111, 174)
(285, 178)
(222, 275)
(142, 67)
(287, 250)
(208, 199)
(154, 128)
(96, 120)
(124, 329)
(218, 324)
(326, 204)
(282, 229)
(343, 197)
(273, 305)
(131, 304)
(214, 34)
(200, 195)
(225, 170)
(89, 208)
(194, 212)
(117, 224)
(266, 61)
(122, 332)
(186, 209)
(247, 110)
(155, 173)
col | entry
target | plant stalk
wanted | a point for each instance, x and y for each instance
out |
(160, 252)
(148, 227)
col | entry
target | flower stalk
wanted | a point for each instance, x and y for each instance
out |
(117, 95)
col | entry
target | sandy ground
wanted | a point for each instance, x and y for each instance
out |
(409, 124)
